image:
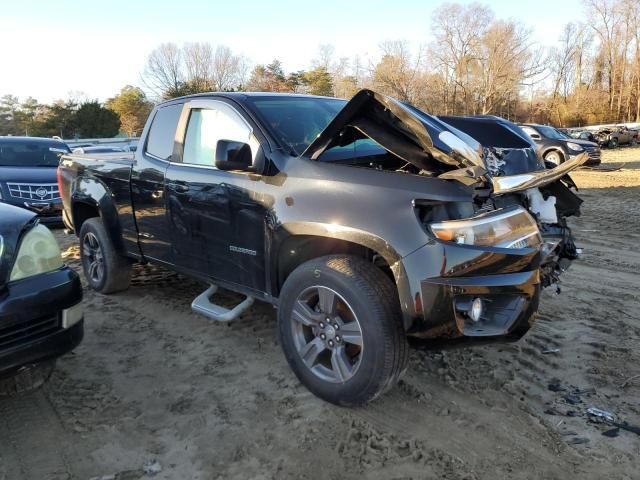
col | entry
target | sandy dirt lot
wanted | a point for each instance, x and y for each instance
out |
(153, 381)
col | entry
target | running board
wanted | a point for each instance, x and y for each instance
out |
(203, 305)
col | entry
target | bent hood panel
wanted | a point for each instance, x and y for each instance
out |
(403, 130)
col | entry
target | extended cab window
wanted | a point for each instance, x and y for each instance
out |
(163, 131)
(208, 125)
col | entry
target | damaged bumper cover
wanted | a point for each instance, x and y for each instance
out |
(442, 281)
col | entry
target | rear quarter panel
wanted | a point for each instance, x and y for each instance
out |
(100, 182)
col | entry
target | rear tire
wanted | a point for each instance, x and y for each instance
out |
(355, 305)
(105, 270)
(26, 378)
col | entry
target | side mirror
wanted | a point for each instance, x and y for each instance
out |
(232, 155)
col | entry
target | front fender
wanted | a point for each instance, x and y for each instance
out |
(358, 237)
(341, 232)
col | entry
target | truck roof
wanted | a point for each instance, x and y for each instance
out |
(243, 95)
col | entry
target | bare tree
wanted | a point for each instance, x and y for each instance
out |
(399, 72)
(506, 60)
(458, 31)
(198, 60)
(163, 74)
(228, 71)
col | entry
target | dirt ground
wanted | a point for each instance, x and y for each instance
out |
(154, 382)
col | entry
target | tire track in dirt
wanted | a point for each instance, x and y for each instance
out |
(33, 441)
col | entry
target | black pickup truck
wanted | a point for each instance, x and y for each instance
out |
(364, 222)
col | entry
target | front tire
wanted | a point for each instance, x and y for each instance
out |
(613, 143)
(105, 270)
(340, 327)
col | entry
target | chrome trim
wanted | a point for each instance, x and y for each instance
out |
(27, 191)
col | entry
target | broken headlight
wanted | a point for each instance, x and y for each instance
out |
(512, 228)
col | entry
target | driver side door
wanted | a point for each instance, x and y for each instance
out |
(216, 217)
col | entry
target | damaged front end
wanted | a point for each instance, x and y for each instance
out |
(489, 154)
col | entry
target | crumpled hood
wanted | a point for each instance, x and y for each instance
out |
(426, 142)
(410, 134)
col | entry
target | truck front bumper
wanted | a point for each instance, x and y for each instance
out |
(443, 280)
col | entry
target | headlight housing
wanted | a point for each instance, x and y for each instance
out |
(38, 253)
(513, 228)
(575, 147)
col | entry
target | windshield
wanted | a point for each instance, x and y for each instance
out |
(296, 121)
(29, 153)
(550, 132)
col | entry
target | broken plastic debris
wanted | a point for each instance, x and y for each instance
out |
(597, 413)
(550, 350)
(152, 468)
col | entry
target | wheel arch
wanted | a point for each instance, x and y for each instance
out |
(296, 243)
(90, 199)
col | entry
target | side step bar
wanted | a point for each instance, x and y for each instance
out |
(203, 305)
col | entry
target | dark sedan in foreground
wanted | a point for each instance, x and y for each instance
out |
(28, 175)
(41, 316)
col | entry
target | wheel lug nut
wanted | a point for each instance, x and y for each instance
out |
(336, 326)
(331, 343)
(337, 338)
(323, 336)
(321, 325)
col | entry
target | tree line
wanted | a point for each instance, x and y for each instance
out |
(125, 113)
(476, 63)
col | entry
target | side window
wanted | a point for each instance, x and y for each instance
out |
(530, 131)
(163, 131)
(208, 125)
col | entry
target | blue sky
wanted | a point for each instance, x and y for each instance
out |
(49, 48)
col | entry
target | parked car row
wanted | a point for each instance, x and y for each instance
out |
(609, 137)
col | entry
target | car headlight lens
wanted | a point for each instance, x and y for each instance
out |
(38, 253)
(513, 228)
(574, 146)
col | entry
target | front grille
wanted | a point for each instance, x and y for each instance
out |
(43, 192)
(23, 332)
